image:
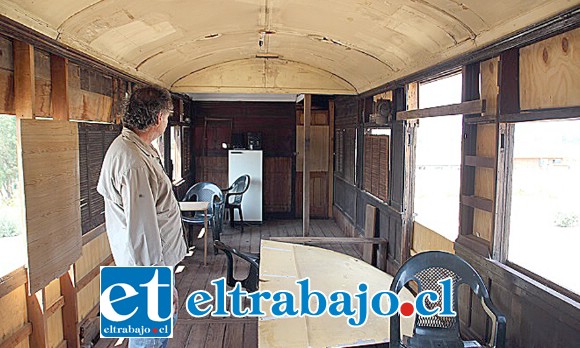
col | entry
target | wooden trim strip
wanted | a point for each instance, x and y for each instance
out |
(17, 336)
(477, 245)
(58, 304)
(93, 273)
(466, 108)
(479, 161)
(94, 233)
(12, 281)
(480, 120)
(544, 114)
(477, 202)
(331, 240)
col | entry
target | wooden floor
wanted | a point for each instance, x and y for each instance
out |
(192, 275)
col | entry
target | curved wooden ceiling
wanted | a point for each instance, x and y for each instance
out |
(277, 46)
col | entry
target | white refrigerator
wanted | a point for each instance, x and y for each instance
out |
(250, 162)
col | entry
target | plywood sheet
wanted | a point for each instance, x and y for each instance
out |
(282, 264)
(13, 313)
(318, 157)
(50, 174)
(489, 85)
(550, 71)
(425, 239)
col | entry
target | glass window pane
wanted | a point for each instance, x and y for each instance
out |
(545, 210)
(12, 236)
(438, 160)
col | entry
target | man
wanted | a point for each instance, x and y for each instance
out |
(142, 216)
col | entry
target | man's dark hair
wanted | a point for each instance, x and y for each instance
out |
(143, 107)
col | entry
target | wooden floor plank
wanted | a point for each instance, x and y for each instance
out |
(215, 335)
(216, 332)
(250, 335)
(234, 336)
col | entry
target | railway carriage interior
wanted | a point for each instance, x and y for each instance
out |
(385, 129)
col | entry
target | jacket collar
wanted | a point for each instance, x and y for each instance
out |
(147, 149)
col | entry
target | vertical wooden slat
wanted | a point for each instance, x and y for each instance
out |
(59, 76)
(24, 88)
(35, 305)
(69, 310)
(306, 168)
(331, 156)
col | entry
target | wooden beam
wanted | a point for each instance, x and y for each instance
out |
(36, 308)
(543, 114)
(58, 304)
(23, 79)
(509, 82)
(477, 202)
(479, 161)
(330, 157)
(70, 310)
(306, 167)
(84, 281)
(18, 336)
(465, 108)
(330, 240)
(12, 281)
(59, 95)
(94, 233)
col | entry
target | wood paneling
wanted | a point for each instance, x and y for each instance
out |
(212, 169)
(59, 80)
(90, 99)
(549, 72)
(94, 252)
(50, 172)
(277, 184)
(24, 86)
(319, 144)
(425, 239)
(490, 85)
(13, 314)
(318, 194)
(43, 84)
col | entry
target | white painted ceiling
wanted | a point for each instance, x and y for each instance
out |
(277, 46)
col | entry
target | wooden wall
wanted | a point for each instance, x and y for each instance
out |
(36, 83)
(275, 121)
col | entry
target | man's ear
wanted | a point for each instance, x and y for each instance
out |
(159, 117)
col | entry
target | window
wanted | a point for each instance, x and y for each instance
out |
(94, 141)
(176, 152)
(12, 238)
(545, 200)
(438, 159)
(376, 162)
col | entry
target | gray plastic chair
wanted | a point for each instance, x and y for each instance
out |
(427, 269)
(234, 195)
(206, 192)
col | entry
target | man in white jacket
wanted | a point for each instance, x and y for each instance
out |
(142, 215)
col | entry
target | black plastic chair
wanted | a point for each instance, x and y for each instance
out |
(233, 198)
(250, 283)
(206, 192)
(427, 269)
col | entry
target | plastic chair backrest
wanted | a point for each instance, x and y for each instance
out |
(238, 188)
(204, 192)
(427, 269)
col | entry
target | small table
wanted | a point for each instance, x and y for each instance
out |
(199, 206)
(282, 264)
